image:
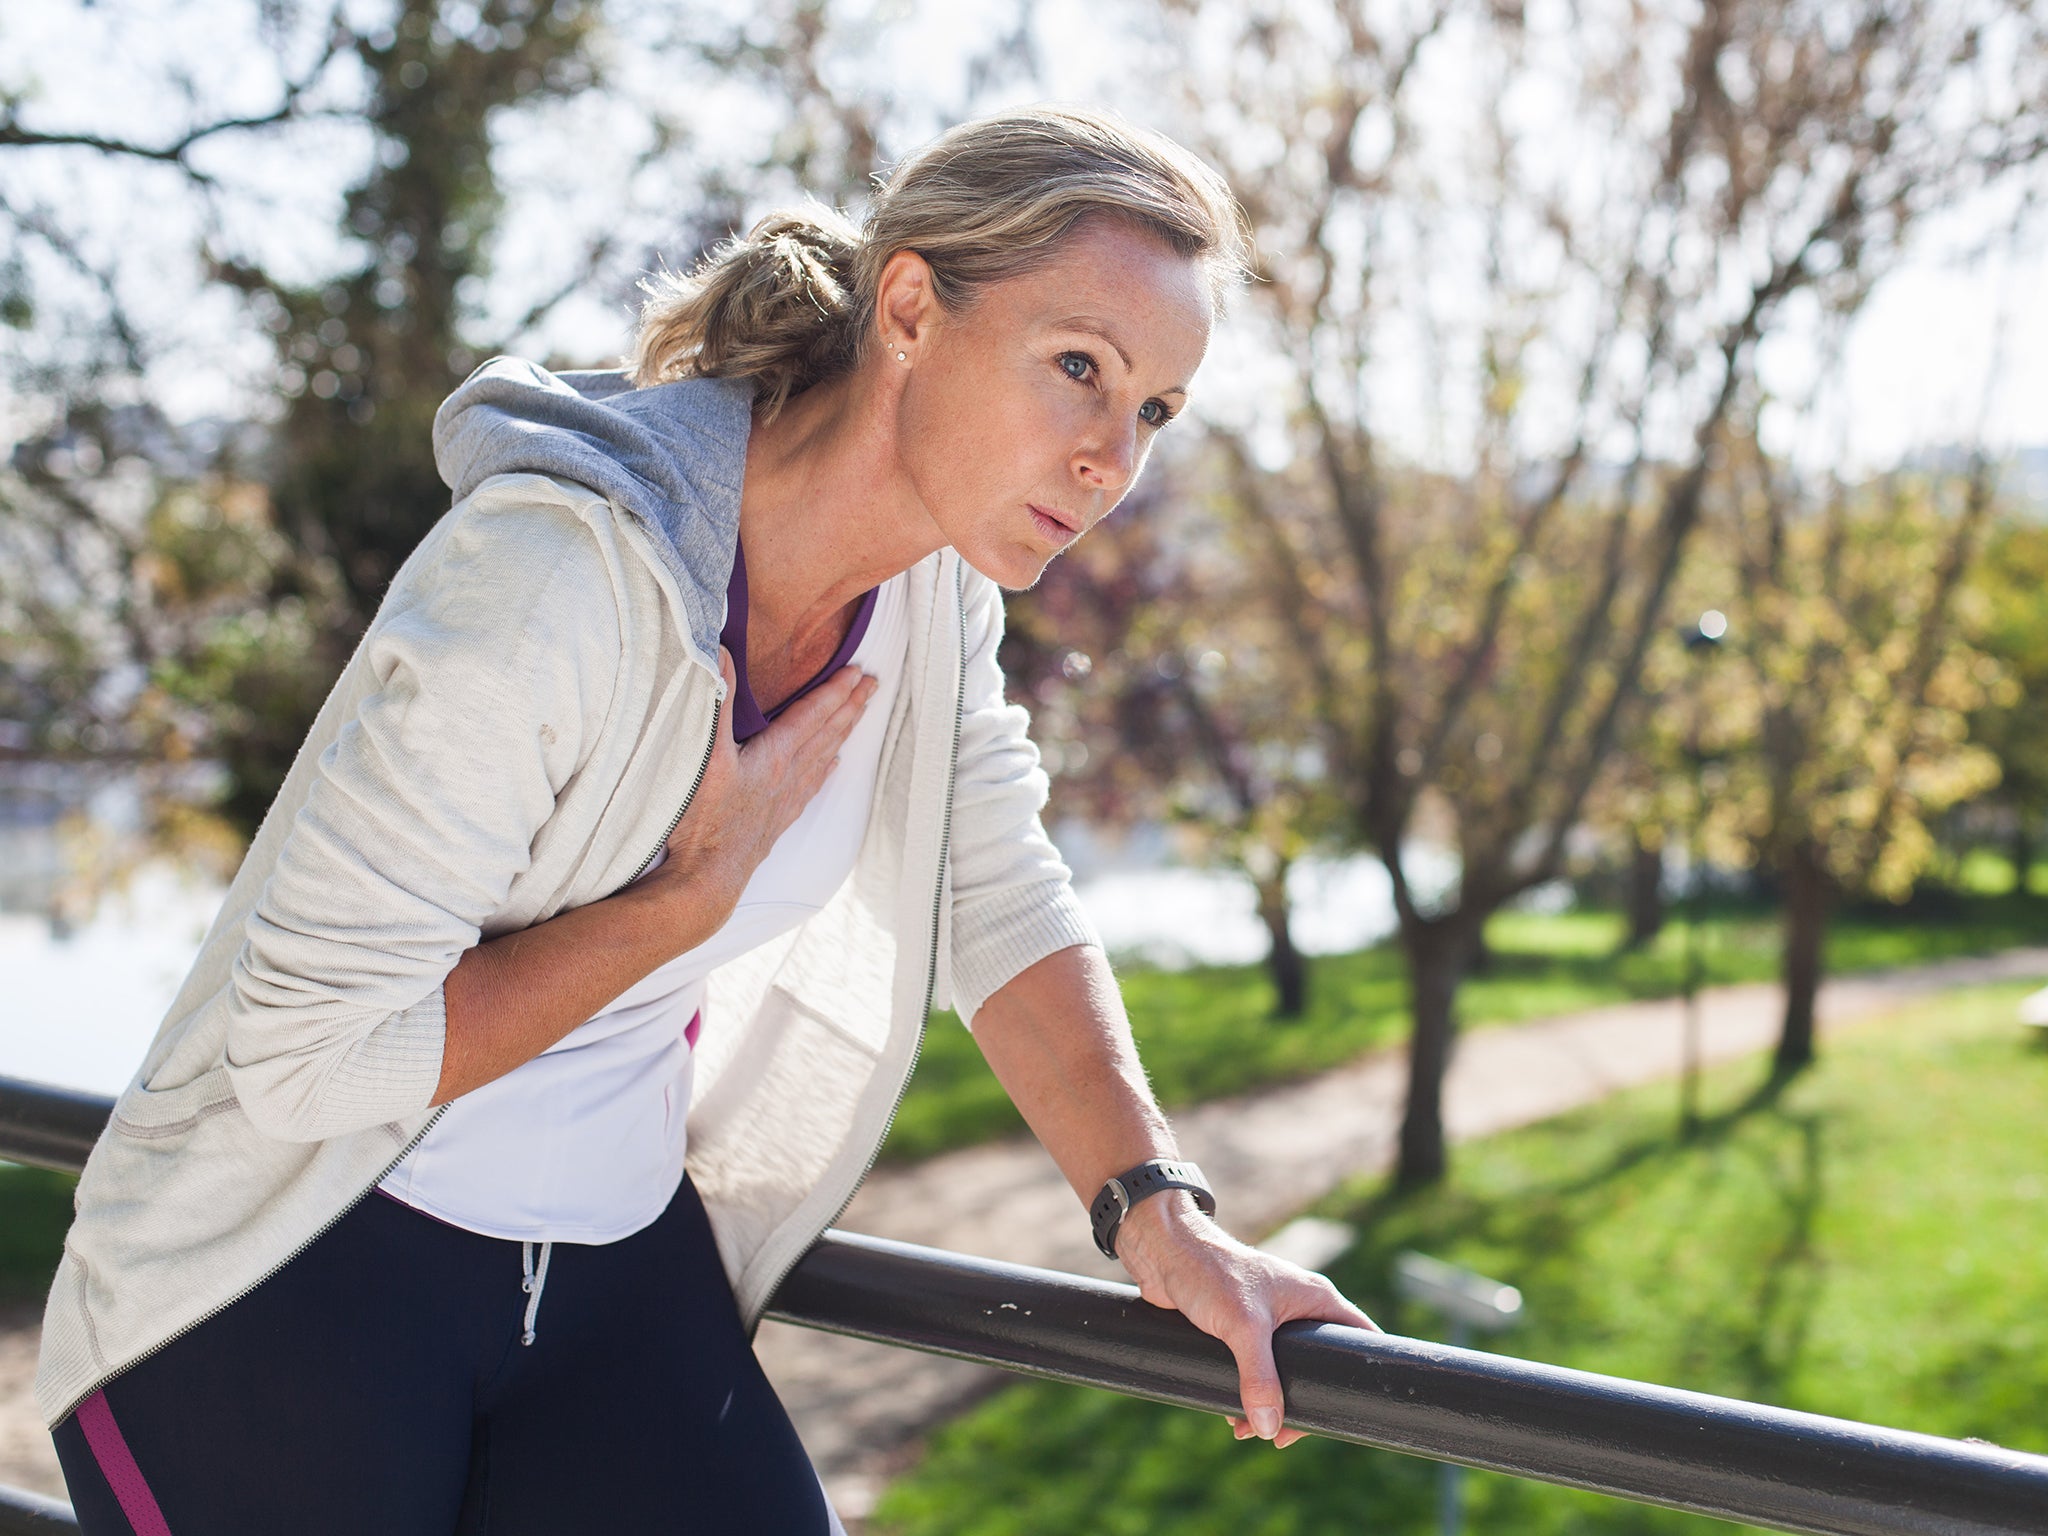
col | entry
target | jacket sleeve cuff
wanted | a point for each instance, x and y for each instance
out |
(388, 1074)
(996, 938)
(393, 1071)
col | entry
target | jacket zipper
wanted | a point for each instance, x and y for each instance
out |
(931, 974)
(704, 767)
(321, 1231)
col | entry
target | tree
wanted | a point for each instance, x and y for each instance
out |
(1584, 261)
(366, 356)
(362, 358)
(1844, 707)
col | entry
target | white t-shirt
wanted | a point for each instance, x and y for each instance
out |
(584, 1143)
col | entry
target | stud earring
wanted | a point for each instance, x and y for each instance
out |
(902, 358)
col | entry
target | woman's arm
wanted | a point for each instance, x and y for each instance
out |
(361, 993)
(511, 998)
(1012, 902)
(1058, 1039)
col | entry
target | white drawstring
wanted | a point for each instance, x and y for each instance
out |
(532, 1284)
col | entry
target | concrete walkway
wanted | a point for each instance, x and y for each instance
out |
(862, 1407)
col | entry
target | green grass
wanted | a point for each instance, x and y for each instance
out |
(35, 1212)
(1209, 1032)
(1866, 1243)
(1989, 873)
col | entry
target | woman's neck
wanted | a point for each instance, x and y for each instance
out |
(825, 510)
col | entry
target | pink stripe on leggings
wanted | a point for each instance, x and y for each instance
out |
(117, 1466)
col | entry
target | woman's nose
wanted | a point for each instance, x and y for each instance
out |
(1108, 461)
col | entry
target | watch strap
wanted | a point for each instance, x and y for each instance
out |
(1106, 1212)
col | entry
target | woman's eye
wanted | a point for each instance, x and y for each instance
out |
(1154, 413)
(1076, 365)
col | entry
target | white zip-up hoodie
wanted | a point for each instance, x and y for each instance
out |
(516, 735)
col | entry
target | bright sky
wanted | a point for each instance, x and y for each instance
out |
(1917, 363)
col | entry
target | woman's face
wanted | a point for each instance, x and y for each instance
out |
(1026, 417)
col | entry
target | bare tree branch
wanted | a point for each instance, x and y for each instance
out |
(340, 37)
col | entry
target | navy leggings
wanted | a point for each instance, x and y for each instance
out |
(378, 1383)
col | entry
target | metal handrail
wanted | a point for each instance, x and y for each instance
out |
(49, 1127)
(30, 1514)
(1686, 1450)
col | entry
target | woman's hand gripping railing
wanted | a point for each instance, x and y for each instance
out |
(1716, 1456)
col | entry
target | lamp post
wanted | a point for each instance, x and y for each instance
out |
(1701, 639)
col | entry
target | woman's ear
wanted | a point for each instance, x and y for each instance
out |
(905, 305)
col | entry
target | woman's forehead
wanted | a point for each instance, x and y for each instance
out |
(1146, 301)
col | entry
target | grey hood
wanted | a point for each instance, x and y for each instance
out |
(671, 455)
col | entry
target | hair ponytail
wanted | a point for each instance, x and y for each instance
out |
(793, 303)
(776, 306)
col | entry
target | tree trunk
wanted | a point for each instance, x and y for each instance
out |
(1438, 955)
(1284, 963)
(1643, 896)
(1809, 902)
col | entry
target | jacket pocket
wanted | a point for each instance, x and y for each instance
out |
(152, 1114)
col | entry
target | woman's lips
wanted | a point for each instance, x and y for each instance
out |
(1052, 527)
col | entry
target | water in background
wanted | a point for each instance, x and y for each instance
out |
(80, 1009)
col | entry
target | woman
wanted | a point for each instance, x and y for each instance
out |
(596, 925)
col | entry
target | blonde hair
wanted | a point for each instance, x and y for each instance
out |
(792, 303)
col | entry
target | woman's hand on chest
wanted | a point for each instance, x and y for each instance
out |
(750, 795)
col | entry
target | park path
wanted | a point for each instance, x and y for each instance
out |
(861, 1407)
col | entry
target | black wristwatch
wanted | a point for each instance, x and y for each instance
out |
(1107, 1212)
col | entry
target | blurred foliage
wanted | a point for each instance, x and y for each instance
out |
(153, 618)
(1830, 729)
(2005, 616)
(1843, 1245)
(35, 1213)
(179, 600)
(365, 357)
(1845, 710)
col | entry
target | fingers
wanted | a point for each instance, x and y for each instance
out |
(1243, 1431)
(815, 726)
(780, 770)
(839, 724)
(1314, 1299)
(1258, 1382)
(1351, 1316)
(1318, 1301)
(1336, 1307)
(1298, 1295)
(835, 704)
